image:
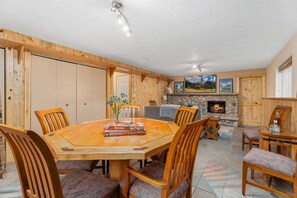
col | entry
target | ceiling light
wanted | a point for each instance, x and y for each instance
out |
(128, 34)
(194, 66)
(126, 28)
(116, 7)
(120, 20)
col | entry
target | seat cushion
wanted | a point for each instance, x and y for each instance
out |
(83, 184)
(75, 164)
(252, 133)
(142, 189)
(271, 161)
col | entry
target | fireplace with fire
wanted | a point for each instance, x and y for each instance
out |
(216, 106)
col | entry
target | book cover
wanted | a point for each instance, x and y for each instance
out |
(128, 125)
(125, 133)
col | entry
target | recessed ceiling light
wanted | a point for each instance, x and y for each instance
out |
(195, 66)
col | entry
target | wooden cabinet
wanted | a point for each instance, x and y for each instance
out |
(79, 90)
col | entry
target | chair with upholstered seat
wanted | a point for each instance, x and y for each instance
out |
(252, 134)
(39, 175)
(174, 179)
(183, 115)
(272, 164)
(55, 119)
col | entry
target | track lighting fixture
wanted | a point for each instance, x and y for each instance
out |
(116, 7)
(198, 67)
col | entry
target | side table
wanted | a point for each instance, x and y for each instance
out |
(212, 128)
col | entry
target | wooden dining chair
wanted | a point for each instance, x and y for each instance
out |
(130, 111)
(174, 179)
(252, 134)
(55, 119)
(152, 103)
(272, 164)
(183, 115)
(39, 175)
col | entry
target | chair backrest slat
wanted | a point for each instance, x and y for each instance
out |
(283, 112)
(181, 156)
(130, 111)
(52, 119)
(185, 115)
(35, 163)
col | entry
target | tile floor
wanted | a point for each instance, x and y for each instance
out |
(217, 171)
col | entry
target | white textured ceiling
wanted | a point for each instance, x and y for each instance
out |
(169, 36)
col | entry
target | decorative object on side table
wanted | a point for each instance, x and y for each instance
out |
(212, 128)
(116, 104)
(201, 84)
(179, 87)
(226, 85)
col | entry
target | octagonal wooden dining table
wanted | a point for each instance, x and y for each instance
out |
(86, 141)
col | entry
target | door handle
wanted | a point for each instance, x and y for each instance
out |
(85, 103)
(67, 105)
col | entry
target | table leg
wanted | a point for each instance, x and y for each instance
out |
(293, 151)
(117, 168)
(264, 143)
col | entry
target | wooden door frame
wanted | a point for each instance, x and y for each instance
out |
(263, 78)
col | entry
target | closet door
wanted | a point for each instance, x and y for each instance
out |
(84, 93)
(66, 89)
(99, 93)
(43, 87)
(91, 93)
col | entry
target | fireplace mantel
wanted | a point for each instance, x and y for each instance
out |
(205, 94)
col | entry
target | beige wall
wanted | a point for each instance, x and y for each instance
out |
(289, 50)
(235, 75)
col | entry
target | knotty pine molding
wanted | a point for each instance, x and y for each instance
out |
(40, 47)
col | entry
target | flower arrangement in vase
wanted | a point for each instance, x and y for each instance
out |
(116, 104)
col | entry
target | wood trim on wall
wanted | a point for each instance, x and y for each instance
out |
(40, 47)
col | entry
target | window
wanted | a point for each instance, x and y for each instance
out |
(283, 81)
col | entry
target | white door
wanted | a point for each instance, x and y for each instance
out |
(43, 88)
(122, 85)
(2, 112)
(98, 94)
(66, 89)
(84, 93)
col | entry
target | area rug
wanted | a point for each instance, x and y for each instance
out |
(226, 132)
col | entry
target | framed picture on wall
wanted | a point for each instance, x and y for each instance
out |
(201, 84)
(226, 85)
(179, 87)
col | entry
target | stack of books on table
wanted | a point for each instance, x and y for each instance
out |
(124, 128)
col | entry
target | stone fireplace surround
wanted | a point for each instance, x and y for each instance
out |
(230, 118)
